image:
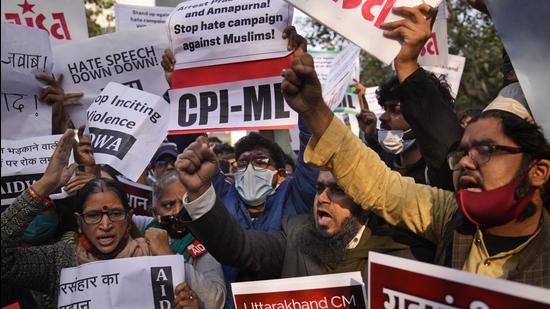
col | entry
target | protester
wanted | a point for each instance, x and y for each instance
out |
(466, 116)
(488, 229)
(101, 237)
(334, 238)
(163, 161)
(203, 273)
(223, 149)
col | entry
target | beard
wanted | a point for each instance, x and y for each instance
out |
(328, 249)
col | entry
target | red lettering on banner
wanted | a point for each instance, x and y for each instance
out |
(366, 9)
(57, 23)
(431, 46)
(196, 249)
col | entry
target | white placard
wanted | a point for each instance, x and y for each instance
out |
(524, 31)
(126, 127)
(130, 57)
(25, 53)
(344, 290)
(452, 72)
(23, 163)
(359, 21)
(436, 49)
(390, 280)
(340, 76)
(128, 17)
(64, 20)
(139, 282)
(204, 33)
(244, 105)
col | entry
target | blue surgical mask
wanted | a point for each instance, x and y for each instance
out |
(41, 229)
(254, 186)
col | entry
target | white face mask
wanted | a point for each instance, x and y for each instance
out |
(392, 141)
(254, 186)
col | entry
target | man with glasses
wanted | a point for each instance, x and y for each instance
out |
(497, 224)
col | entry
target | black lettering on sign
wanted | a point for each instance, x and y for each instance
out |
(12, 186)
(134, 84)
(111, 142)
(255, 103)
(163, 287)
(209, 103)
(224, 106)
(186, 102)
(280, 111)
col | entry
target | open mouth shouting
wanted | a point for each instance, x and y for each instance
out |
(323, 218)
(470, 183)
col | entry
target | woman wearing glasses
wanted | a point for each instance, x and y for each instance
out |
(103, 217)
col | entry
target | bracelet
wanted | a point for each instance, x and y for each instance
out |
(39, 198)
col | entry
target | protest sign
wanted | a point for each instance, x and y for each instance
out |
(64, 20)
(204, 33)
(138, 282)
(344, 290)
(436, 50)
(452, 72)
(359, 21)
(126, 127)
(140, 196)
(340, 76)
(131, 58)
(237, 96)
(441, 287)
(523, 29)
(23, 163)
(25, 53)
(128, 17)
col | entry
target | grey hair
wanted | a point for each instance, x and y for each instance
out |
(158, 187)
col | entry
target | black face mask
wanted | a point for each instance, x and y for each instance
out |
(174, 226)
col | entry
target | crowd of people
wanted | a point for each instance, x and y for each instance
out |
(468, 192)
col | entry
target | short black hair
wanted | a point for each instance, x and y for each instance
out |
(100, 185)
(221, 148)
(214, 139)
(388, 90)
(254, 140)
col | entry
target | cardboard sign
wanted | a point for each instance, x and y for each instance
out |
(64, 20)
(435, 286)
(126, 127)
(140, 196)
(131, 58)
(23, 163)
(204, 33)
(523, 29)
(25, 53)
(359, 21)
(452, 72)
(139, 282)
(128, 17)
(344, 290)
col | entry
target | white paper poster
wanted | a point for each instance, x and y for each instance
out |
(126, 127)
(64, 20)
(359, 21)
(139, 282)
(128, 17)
(436, 50)
(344, 290)
(390, 277)
(244, 105)
(452, 72)
(23, 163)
(25, 53)
(131, 58)
(524, 31)
(340, 76)
(204, 33)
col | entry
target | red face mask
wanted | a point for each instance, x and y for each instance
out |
(495, 207)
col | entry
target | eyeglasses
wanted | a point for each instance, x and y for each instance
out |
(163, 163)
(333, 190)
(258, 163)
(94, 217)
(480, 154)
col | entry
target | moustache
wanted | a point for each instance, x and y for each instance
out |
(477, 182)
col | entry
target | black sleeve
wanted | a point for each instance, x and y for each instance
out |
(230, 244)
(433, 120)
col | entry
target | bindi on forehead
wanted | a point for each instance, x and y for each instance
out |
(105, 207)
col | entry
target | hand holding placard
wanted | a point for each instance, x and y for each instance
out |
(197, 165)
